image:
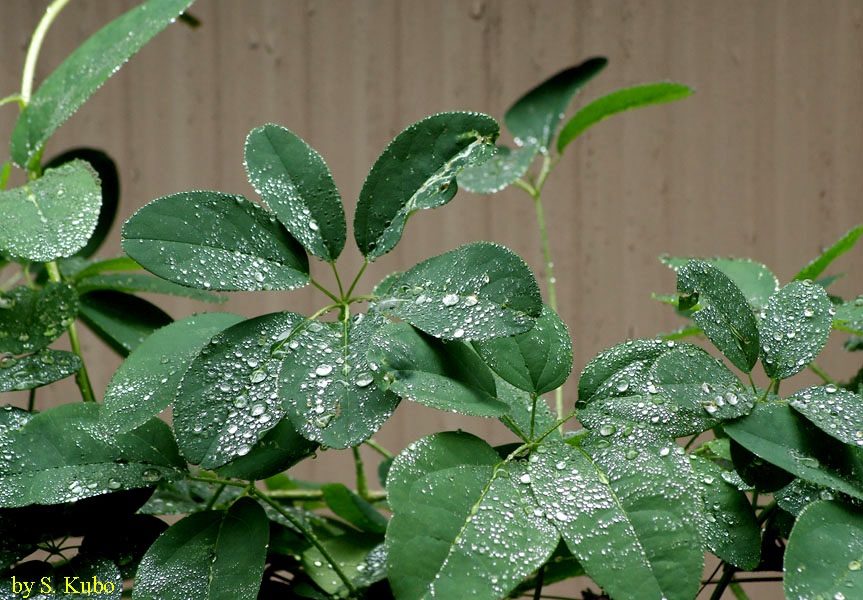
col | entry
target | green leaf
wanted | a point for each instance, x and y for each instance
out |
(215, 241)
(520, 407)
(146, 383)
(31, 319)
(280, 449)
(822, 558)
(228, 397)
(85, 70)
(353, 509)
(537, 361)
(535, 117)
(385, 285)
(849, 316)
(794, 328)
(834, 411)
(446, 376)
(52, 216)
(137, 282)
(475, 292)
(62, 455)
(798, 494)
(726, 317)
(843, 245)
(754, 279)
(296, 184)
(212, 555)
(5, 171)
(327, 387)
(349, 549)
(417, 171)
(619, 101)
(121, 320)
(498, 172)
(34, 370)
(778, 435)
(121, 263)
(623, 511)
(753, 472)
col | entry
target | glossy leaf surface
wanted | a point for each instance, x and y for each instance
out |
(34, 370)
(843, 245)
(835, 411)
(498, 172)
(280, 449)
(138, 283)
(31, 319)
(353, 509)
(121, 320)
(754, 279)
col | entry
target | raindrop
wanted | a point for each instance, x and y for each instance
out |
(607, 429)
(449, 300)
(323, 370)
(151, 475)
(622, 386)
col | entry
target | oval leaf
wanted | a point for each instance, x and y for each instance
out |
(498, 172)
(280, 449)
(834, 411)
(843, 245)
(34, 370)
(121, 320)
(136, 282)
(754, 279)
(30, 319)
(353, 509)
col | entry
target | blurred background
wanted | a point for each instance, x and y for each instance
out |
(764, 161)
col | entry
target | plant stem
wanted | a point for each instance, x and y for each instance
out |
(821, 373)
(522, 184)
(35, 45)
(362, 483)
(31, 401)
(727, 575)
(325, 291)
(738, 592)
(766, 512)
(371, 495)
(216, 480)
(215, 496)
(378, 448)
(12, 98)
(309, 535)
(691, 441)
(752, 383)
(534, 398)
(338, 280)
(357, 278)
(508, 421)
(537, 594)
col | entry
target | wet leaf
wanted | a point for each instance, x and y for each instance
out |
(849, 316)
(754, 279)
(353, 509)
(121, 320)
(211, 555)
(498, 172)
(417, 171)
(726, 317)
(215, 241)
(35, 370)
(420, 368)
(31, 319)
(136, 282)
(795, 326)
(799, 494)
(535, 117)
(520, 408)
(349, 549)
(85, 70)
(753, 472)
(475, 292)
(834, 411)
(89, 269)
(280, 449)
(147, 381)
(52, 216)
(843, 245)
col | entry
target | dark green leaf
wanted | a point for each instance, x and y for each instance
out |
(85, 70)
(446, 376)
(32, 319)
(619, 101)
(794, 328)
(137, 282)
(535, 117)
(215, 241)
(475, 292)
(849, 316)
(726, 317)
(843, 245)
(349, 549)
(798, 494)
(327, 387)
(498, 172)
(296, 184)
(146, 383)
(834, 411)
(754, 279)
(353, 509)
(280, 449)
(417, 171)
(34, 370)
(52, 216)
(520, 408)
(754, 472)
(121, 320)
(121, 263)
(385, 285)
(212, 555)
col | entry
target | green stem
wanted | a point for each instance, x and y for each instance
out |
(521, 183)
(727, 576)
(362, 483)
(217, 481)
(821, 373)
(33, 51)
(378, 448)
(537, 594)
(13, 98)
(338, 281)
(357, 278)
(215, 496)
(298, 495)
(752, 383)
(767, 391)
(281, 344)
(690, 442)
(534, 398)
(325, 291)
(738, 592)
(765, 514)
(309, 535)
(508, 421)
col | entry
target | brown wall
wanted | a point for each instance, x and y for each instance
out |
(764, 161)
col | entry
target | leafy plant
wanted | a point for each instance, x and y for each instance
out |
(620, 500)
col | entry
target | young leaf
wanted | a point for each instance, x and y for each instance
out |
(215, 241)
(147, 381)
(137, 282)
(353, 509)
(31, 319)
(535, 117)
(296, 184)
(537, 361)
(83, 71)
(121, 320)
(211, 555)
(498, 172)
(446, 376)
(475, 292)
(754, 279)
(326, 385)
(822, 559)
(794, 328)
(280, 449)
(834, 411)
(34, 370)
(121, 263)
(619, 101)
(726, 317)
(52, 216)
(417, 171)
(843, 245)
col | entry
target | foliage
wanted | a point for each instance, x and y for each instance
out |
(620, 500)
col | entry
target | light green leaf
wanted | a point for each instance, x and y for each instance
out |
(849, 316)
(327, 387)
(121, 320)
(535, 117)
(834, 411)
(31, 319)
(619, 101)
(353, 509)
(52, 216)
(520, 408)
(228, 397)
(350, 550)
(120, 263)
(296, 184)
(5, 171)
(212, 555)
(280, 449)
(537, 361)
(146, 383)
(417, 171)
(85, 70)
(446, 376)
(34, 370)
(754, 279)
(794, 328)
(726, 317)
(136, 282)
(215, 241)
(823, 555)
(843, 245)
(498, 172)
(475, 292)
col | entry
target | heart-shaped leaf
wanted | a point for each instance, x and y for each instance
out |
(31, 319)
(34, 370)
